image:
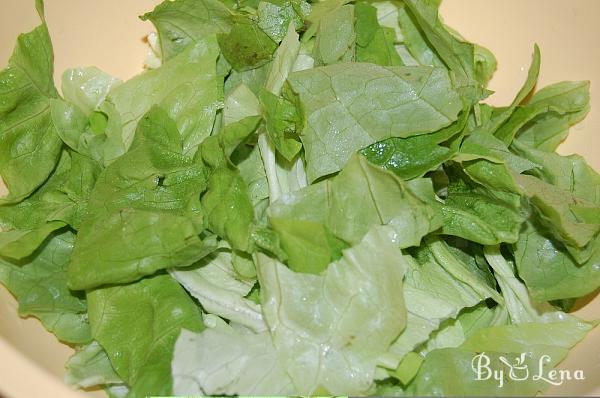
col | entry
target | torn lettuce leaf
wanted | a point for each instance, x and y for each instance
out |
(350, 106)
(480, 214)
(544, 121)
(246, 46)
(374, 43)
(429, 305)
(215, 284)
(549, 270)
(142, 359)
(275, 17)
(321, 335)
(86, 88)
(151, 194)
(29, 144)
(89, 367)
(336, 37)
(441, 368)
(296, 198)
(309, 220)
(193, 72)
(40, 287)
(222, 360)
(182, 23)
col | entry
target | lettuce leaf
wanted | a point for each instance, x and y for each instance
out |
(29, 144)
(40, 287)
(352, 105)
(142, 359)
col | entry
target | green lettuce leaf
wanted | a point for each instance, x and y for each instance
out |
(374, 43)
(29, 144)
(519, 303)
(185, 86)
(149, 195)
(442, 368)
(183, 22)
(246, 46)
(61, 201)
(40, 286)
(306, 219)
(549, 271)
(457, 54)
(227, 190)
(545, 120)
(86, 88)
(89, 367)
(557, 210)
(412, 157)
(480, 214)
(274, 17)
(140, 358)
(336, 36)
(349, 106)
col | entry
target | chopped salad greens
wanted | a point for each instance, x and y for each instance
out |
(296, 198)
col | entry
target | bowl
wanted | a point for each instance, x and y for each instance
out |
(109, 35)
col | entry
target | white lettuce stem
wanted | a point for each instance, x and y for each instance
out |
(267, 152)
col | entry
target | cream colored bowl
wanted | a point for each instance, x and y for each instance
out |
(109, 35)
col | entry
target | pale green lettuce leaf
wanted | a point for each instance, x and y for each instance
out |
(519, 303)
(566, 195)
(318, 11)
(374, 43)
(89, 367)
(185, 86)
(87, 88)
(239, 104)
(228, 360)
(349, 106)
(281, 116)
(283, 61)
(253, 172)
(456, 54)
(215, 284)
(433, 292)
(316, 341)
(84, 134)
(336, 37)
(347, 206)
(182, 23)
(557, 210)
(275, 17)
(545, 120)
(500, 117)
(330, 329)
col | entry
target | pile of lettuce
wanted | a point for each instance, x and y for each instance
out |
(298, 199)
